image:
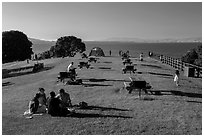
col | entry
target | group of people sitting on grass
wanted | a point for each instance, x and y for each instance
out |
(55, 105)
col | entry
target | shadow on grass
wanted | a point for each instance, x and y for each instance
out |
(190, 101)
(160, 74)
(106, 62)
(153, 73)
(93, 85)
(102, 80)
(16, 74)
(152, 66)
(104, 68)
(102, 108)
(177, 93)
(7, 84)
(194, 101)
(82, 115)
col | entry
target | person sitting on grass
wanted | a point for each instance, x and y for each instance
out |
(54, 106)
(42, 100)
(33, 105)
(65, 98)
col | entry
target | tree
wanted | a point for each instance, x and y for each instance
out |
(193, 56)
(52, 51)
(198, 61)
(45, 55)
(15, 46)
(68, 46)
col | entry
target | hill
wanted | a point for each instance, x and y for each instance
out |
(140, 40)
(111, 111)
(41, 45)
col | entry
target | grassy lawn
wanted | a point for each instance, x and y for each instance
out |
(111, 111)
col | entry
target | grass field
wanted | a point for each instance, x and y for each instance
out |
(112, 111)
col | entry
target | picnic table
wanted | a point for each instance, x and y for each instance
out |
(69, 78)
(83, 64)
(129, 68)
(64, 75)
(127, 61)
(92, 59)
(140, 85)
(38, 66)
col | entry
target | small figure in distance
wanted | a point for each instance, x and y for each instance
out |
(110, 52)
(141, 57)
(120, 53)
(176, 77)
(150, 54)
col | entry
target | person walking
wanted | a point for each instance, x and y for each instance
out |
(176, 77)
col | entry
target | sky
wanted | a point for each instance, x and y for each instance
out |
(104, 20)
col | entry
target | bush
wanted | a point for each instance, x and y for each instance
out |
(193, 56)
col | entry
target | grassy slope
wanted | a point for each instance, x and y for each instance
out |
(113, 111)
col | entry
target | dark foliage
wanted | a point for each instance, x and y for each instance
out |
(67, 46)
(45, 55)
(15, 46)
(193, 56)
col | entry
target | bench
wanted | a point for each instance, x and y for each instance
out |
(92, 59)
(38, 66)
(125, 56)
(129, 68)
(127, 61)
(83, 64)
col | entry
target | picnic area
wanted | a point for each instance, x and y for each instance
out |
(112, 110)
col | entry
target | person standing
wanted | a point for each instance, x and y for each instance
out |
(176, 77)
(141, 57)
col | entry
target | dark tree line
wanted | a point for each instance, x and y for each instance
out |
(15, 46)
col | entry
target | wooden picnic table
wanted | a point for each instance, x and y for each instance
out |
(83, 64)
(127, 61)
(92, 59)
(137, 83)
(129, 68)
